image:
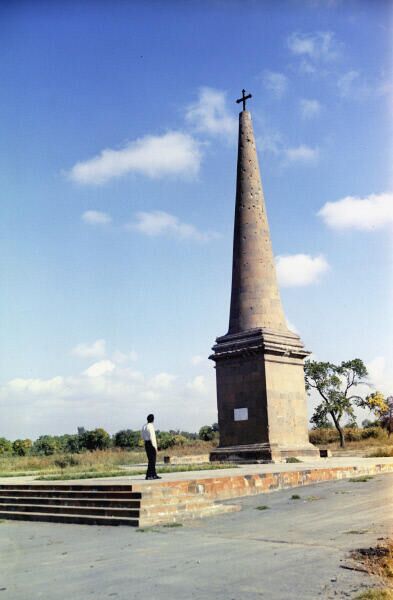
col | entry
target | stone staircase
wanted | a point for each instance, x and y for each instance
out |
(102, 504)
(83, 504)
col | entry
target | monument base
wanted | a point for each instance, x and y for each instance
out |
(263, 453)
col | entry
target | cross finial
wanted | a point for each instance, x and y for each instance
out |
(243, 99)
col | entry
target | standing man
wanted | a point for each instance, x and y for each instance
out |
(149, 437)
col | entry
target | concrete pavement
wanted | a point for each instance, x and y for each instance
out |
(291, 550)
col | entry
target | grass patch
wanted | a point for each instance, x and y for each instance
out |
(21, 473)
(91, 475)
(380, 453)
(360, 479)
(313, 498)
(262, 507)
(200, 467)
(295, 497)
(173, 525)
(293, 459)
(69, 475)
(376, 594)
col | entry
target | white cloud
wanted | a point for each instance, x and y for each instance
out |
(277, 83)
(162, 381)
(302, 154)
(346, 82)
(157, 223)
(353, 85)
(95, 350)
(173, 153)
(364, 214)
(376, 369)
(36, 386)
(123, 357)
(100, 368)
(309, 108)
(270, 141)
(300, 269)
(95, 217)
(198, 384)
(118, 398)
(320, 46)
(210, 114)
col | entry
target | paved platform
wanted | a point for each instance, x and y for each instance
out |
(323, 463)
(176, 497)
(292, 550)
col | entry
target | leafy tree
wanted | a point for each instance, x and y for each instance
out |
(206, 433)
(321, 421)
(71, 443)
(335, 384)
(127, 438)
(46, 444)
(96, 439)
(382, 408)
(5, 446)
(22, 447)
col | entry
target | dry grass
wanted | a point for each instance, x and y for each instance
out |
(376, 594)
(381, 452)
(100, 460)
(86, 461)
(377, 560)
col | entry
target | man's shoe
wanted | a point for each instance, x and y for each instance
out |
(149, 477)
(157, 477)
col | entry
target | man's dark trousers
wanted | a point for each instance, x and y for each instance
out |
(151, 457)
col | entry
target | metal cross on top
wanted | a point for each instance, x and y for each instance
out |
(243, 99)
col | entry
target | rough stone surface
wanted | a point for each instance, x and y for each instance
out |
(259, 362)
(255, 300)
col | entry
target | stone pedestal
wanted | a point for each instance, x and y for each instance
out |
(262, 411)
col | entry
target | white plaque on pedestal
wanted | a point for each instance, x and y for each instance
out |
(241, 414)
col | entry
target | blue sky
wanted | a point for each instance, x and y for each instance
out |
(118, 164)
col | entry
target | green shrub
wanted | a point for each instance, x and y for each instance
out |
(373, 432)
(323, 436)
(126, 438)
(22, 447)
(46, 445)
(206, 433)
(352, 434)
(165, 440)
(66, 461)
(5, 446)
(96, 439)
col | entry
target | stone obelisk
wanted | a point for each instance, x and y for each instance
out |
(261, 397)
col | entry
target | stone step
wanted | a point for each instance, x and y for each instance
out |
(176, 499)
(97, 487)
(191, 504)
(186, 515)
(57, 493)
(66, 518)
(70, 510)
(45, 500)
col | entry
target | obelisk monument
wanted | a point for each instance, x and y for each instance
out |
(261, 397)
